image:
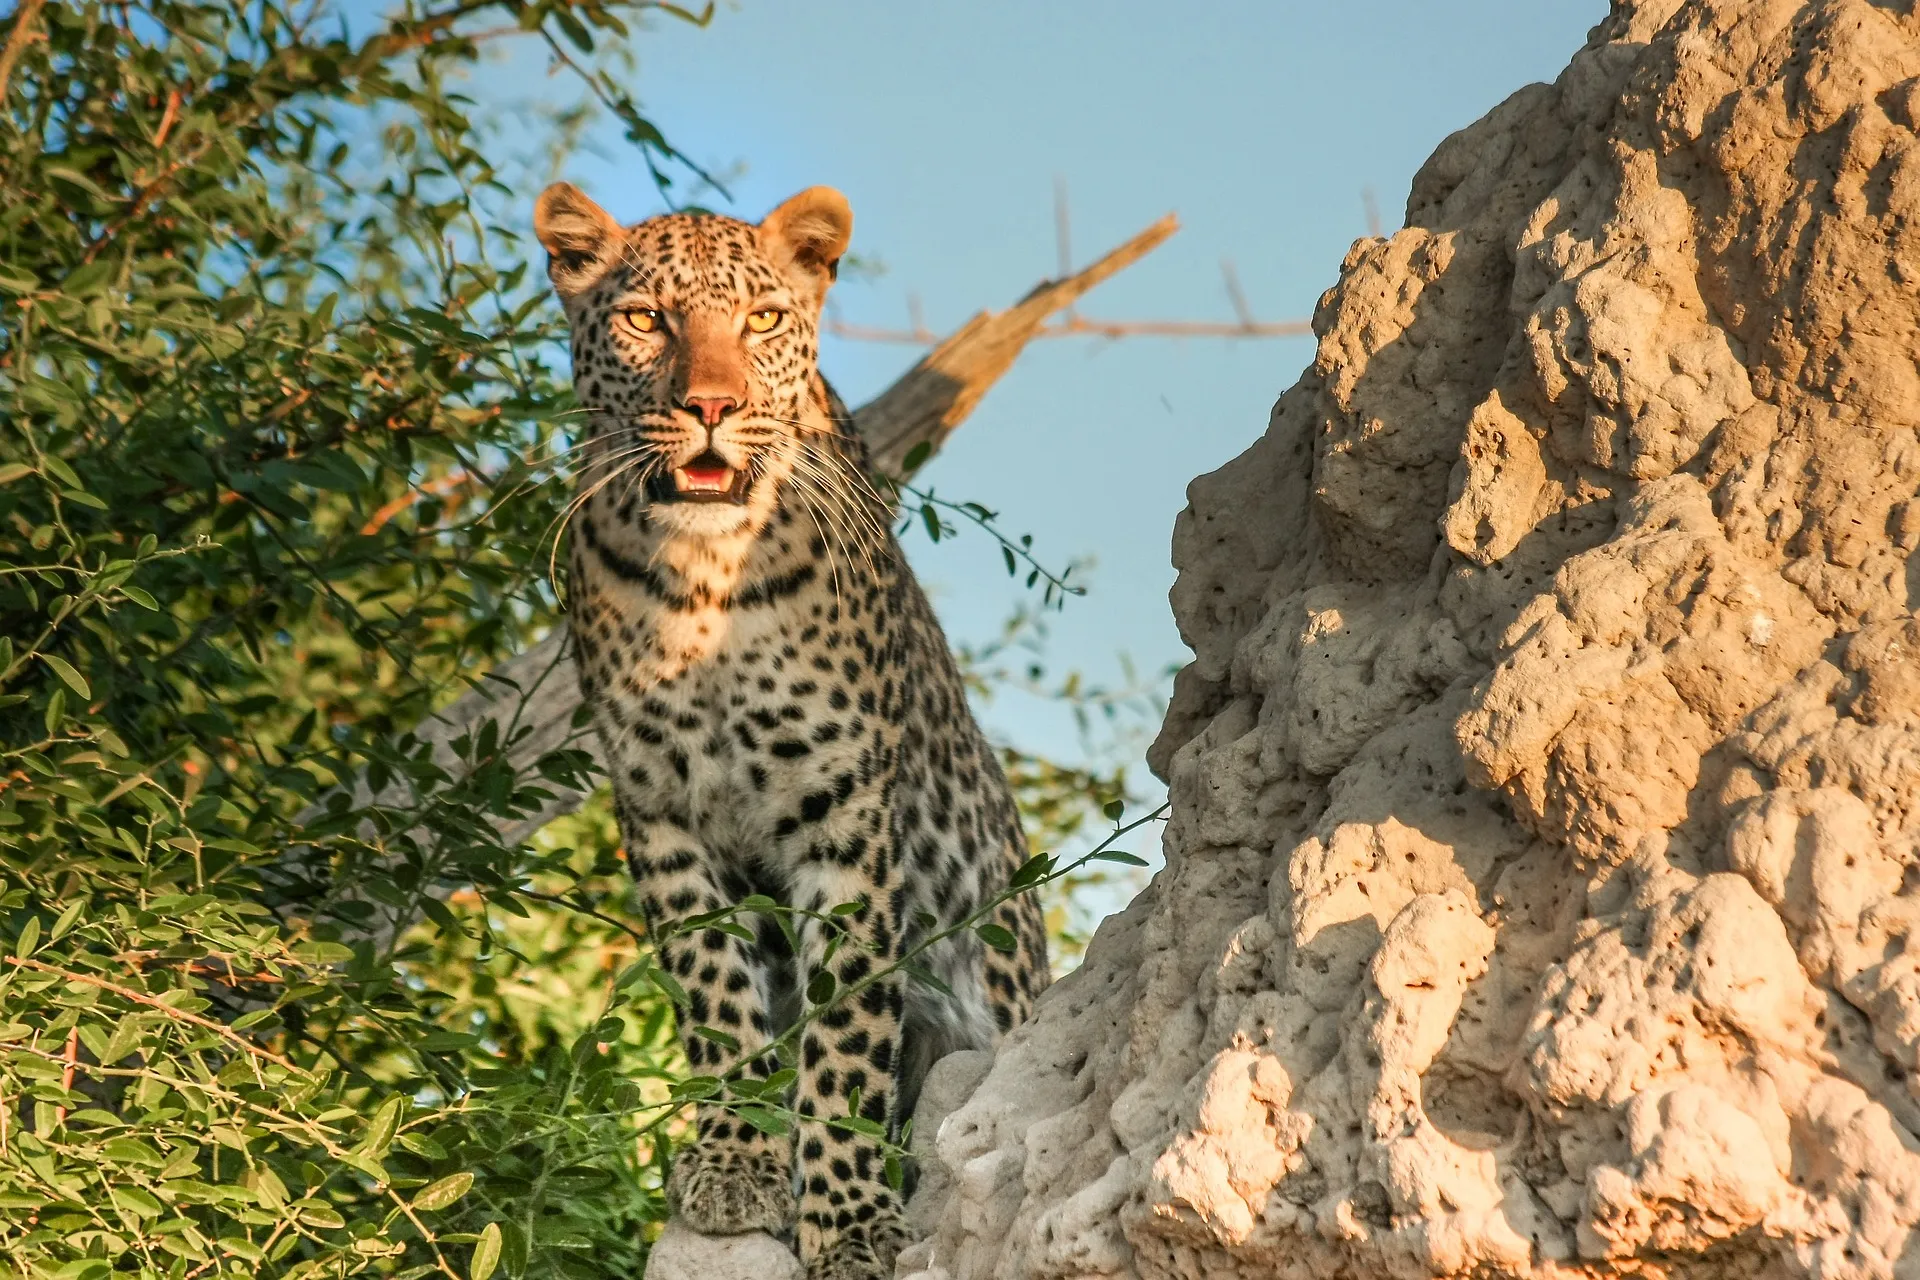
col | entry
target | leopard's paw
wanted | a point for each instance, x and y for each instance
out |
(723, 1190)
(864, 1251)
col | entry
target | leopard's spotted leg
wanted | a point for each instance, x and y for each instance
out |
(851, 1221)
(733, 1177)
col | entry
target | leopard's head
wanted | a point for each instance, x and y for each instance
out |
(695, 341)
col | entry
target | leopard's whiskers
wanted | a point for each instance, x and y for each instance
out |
(629, 458)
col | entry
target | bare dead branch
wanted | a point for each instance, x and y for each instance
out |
(936, 395)
(1071, 323)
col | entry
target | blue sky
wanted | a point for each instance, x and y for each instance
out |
(946, 125)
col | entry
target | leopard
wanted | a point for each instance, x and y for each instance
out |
(782, 719)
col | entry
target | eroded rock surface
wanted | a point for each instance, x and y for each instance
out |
(1546, 836)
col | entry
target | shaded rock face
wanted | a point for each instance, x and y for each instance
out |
(1545, 845)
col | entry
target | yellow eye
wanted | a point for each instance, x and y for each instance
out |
(763, 320)
(641, 319)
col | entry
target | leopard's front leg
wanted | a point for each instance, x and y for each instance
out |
(733, 1178)
(851, 1222)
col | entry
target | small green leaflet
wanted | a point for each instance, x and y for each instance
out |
(486, 1254)
(380, 1130)
(996, 937)
(64, 669)
(438, 1195)
(1031, 871)
(821, 986)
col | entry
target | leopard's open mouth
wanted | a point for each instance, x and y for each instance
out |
(707, 478)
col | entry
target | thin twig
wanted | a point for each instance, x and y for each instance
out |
(141, 997)
(167, 119)
(72, 1058)
(17, 40)
(436, 488)
(574, 905)
(1082, 327)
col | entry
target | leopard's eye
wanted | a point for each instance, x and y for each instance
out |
(641, 319)
(763, 320)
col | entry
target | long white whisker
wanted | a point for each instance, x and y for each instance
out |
(827, 538)
(858, 517)
(529, 485)
(580, 500)
(846, 533)
(838, 471)
(807, 472)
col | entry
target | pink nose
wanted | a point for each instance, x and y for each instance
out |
(711, 408)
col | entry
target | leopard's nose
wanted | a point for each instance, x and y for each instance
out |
(710, 409)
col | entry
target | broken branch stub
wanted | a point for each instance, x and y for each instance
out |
(936, 395)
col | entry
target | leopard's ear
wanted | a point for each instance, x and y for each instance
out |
(806, 237)
(580, 237)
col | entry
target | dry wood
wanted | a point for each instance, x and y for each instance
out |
(936, 395)
(534, 696)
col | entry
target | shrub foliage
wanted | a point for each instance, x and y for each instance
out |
(282, 459)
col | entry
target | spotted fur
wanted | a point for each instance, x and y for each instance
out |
(780, 709)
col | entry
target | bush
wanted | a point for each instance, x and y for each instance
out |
(282, 456)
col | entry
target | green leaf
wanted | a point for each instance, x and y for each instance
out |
(763, 1120)
(29, 939)
(241, 1247)
(486, 1254)
(438, 1195)
(821, 986)
(717, 1036)
(86, 184)
(380, 1130)
(1113, 809)
(64, 669)
(669, 984)
(927, 978)
(65, 474)
(140, 597)
(695, 1088)
(996, 937)
(1115, 855)
(66, 919)
(861, 1125)
(9, 472)
(319, 1213)
(917, 455)
(444, 1041)
(1032, 871)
